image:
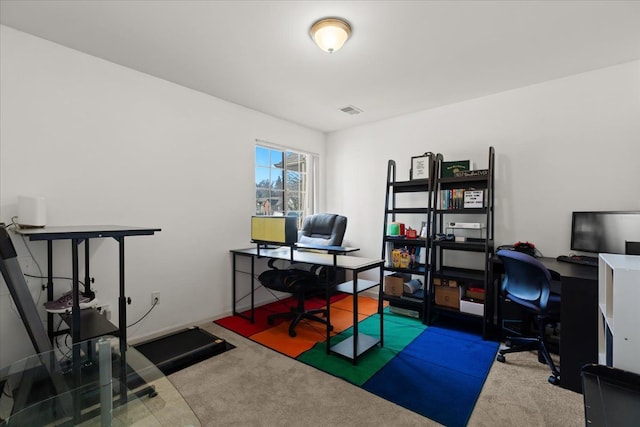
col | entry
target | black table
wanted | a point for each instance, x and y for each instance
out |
(88, 324)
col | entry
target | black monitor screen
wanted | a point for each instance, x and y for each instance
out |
(604, 232)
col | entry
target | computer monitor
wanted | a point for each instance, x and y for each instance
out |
(604, 231)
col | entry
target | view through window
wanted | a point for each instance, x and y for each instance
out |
(281, 182)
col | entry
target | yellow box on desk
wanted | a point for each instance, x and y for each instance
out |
(393, 285)
(447, 296)
(274, 229)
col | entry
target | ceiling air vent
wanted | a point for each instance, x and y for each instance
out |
(351, 110)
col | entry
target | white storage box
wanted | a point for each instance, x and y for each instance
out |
(471, 307)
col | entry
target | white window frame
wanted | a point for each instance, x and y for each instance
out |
(310, 203)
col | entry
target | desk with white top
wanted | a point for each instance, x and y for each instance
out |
(359, 343)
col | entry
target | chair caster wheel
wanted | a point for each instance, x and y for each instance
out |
(292, 334)
(554, 380)
(501, 358)
(153, 393)
(331, 327)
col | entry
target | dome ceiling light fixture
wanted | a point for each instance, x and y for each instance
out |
(330, 33)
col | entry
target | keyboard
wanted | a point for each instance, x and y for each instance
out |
(579, 259)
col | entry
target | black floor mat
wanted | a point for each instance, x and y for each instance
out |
(176, 351)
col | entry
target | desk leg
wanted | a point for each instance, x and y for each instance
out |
(253, 274)
(122, 325)
(87, 275)
(327, 300)
(355, 317)
(87, 289)
(234, 291)
(233, 284)
(75, 331)
(579, 334)
(50, 328)
(381, 309)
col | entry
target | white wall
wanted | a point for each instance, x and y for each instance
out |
(108, 145)
(561, 146)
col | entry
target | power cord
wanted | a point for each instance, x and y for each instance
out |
(145, 315)
(53, 277)
(64, 355)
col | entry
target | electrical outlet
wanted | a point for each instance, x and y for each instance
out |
(155, 298)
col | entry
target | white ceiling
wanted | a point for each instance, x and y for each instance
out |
(404, 56)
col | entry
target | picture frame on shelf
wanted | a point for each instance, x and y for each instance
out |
(419, 167)
(449, 169)
(423, 230)
(473, 199)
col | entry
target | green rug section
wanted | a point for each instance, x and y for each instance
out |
(399, 331)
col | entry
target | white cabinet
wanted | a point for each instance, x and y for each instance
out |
(619, 307)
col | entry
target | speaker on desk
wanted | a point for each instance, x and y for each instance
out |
(32, 211)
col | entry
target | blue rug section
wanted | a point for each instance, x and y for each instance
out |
(439, 375)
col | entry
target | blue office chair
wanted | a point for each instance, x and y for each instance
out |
(319, 229)
(527, 283)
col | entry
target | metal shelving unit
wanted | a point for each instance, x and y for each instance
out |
(444, 250)
(417, 205)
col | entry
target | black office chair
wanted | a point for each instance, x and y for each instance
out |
(611, 396)
(527, 283)
(320, 229)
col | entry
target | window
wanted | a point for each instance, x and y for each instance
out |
(281, 182)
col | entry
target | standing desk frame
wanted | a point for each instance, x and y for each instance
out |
(356, 345)
(77, 235)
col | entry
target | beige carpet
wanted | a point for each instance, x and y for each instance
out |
(254, 386)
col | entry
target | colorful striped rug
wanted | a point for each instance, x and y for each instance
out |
(436, 371)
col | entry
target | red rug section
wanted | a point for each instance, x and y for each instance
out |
(245, 328)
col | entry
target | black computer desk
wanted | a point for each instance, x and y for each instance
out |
(358, 343)
(578, 317)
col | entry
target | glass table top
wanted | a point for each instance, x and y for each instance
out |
(48, 389)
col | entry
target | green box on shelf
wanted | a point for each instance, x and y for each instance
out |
(449, 169)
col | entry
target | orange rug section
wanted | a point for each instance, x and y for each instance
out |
(309, 333)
